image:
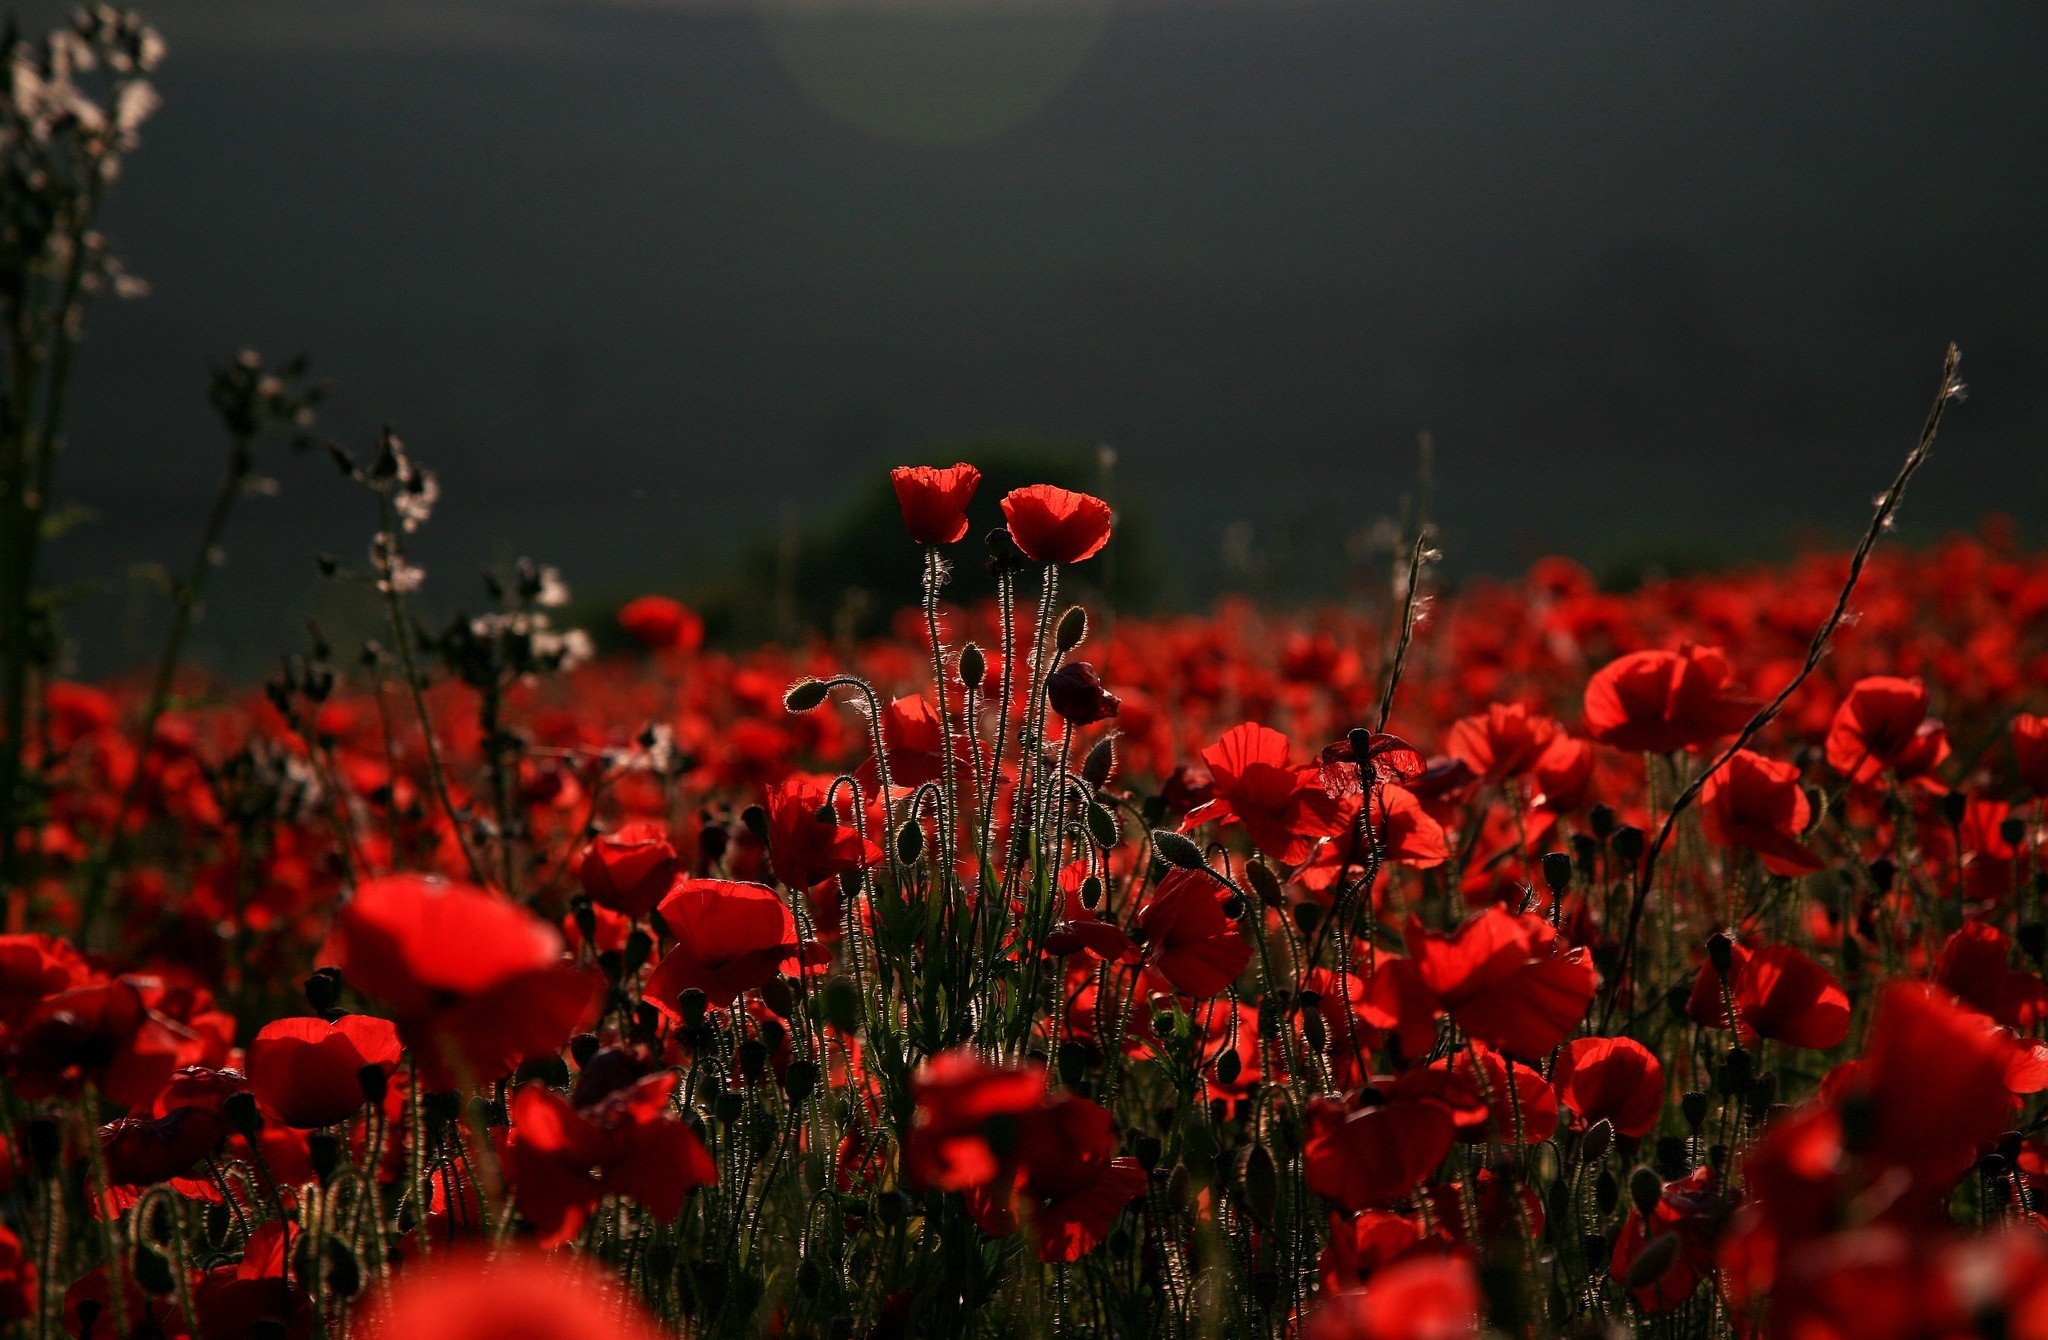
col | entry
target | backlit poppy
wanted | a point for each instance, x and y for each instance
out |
(1055, 525)
(934, 500)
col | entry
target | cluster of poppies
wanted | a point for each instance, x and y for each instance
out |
(1584, 962)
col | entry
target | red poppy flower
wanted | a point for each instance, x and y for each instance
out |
(1362, 1244)
(1973, 965)
(1389, 759)
(1779, 993)
(308, 1071)
(1423, 1298)
(1187, 937)
(516, 1292)
(1527, 1115)
(1931, 1086)
(1883, 723)
(808, 849)
(629, 870)
(730, 938)
(1506, 979)
(661, 624)
(563, 1161)
(963, 1104)
(1067, 1180)
(17, 1279)
(1055, 525)
(33, 968)
(474, 981)
(934, 500)
(1503, 741)
(2030, 750)
(142, 1151)
(1617, 1080)
(1375, 1156)
(1658, 702)
(1691, 1209)
(914, 740)
(102, 1032)
(1283, 808)
(1757, 803)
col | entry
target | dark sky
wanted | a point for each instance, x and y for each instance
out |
(637, 277)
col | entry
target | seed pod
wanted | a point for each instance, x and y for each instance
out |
(1557, 872)
(1721, 952)
(1628, 843)
(756, 820)
(805, 695)
(1072, 628)
(1177, 849)
(1693, 1107)
(1102, 826)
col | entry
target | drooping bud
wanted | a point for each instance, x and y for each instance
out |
(805, 695)
(1073, 626)
(1177, 849)
(1645, 1189)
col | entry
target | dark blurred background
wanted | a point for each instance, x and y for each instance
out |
(655, 287)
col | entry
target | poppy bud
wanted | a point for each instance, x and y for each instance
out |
(1671, 1160)
(692, 1003)
(1261, 1180)
(804, 695)
(344, 1272)
(323, 989)
(1763, 1091)
(1102, 827)
(1148, 1150)
(1882, 873)
(1075, 692)
(582, 1047)
(1308, 916)
(755, 819)
(1234, 907)
(753, 1059)
(1091, 892)
(777, 996)
(1557, 872)
(1693, 1107)
(639, 944)
(839, 1003)
(585, 917)
(1645, 1189)
(1606, 1191)
(552, 1071)
(728, 1106)
(1073, 626)
(1602, 821)
(374, 1082)
(1954, 806)
(799, 1080)
(1598, 1139)
(1732, 1076)
(1721, 952)
(45, 1141)
(1100, 765)
(2033, 937)
(1583, 847)
(1628, 843)
(1313, 1028)
(973, 666)
(1264, 883)
(1228, 1067)
(1177, 849)
(2012, 831)
(910, 842)
(242, 1114)
(1852, 956)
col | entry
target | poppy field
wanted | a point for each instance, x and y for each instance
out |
(1522, 958)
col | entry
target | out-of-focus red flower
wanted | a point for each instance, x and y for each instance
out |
(1503, 741)
(308, 1072)
(1778, 993)
(1506, 979)
(1363, 1243)
(33, 968)
(1931, 1085)
(88, 1316)
(1756, 803)
(1283, 807)
(475, 982)
(1883, 724)
(520, 1292)
(2030, 751)
(1055, 525)
(1424, 1298)
(934, 500)
(1377, 1155)
(963, 1104)
(1658, 702)
(18, 1292)
(1523, 1114)
(1075, 692)
(1067, 1180)
(1974, 966)
(142, 1151)
(564, 1161)
(660, 623)
(100, 1032)
(1187, 937)
(1615, 1079)
(730, 938)
(1692, 1210)
(631, 869)
(806, 847)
